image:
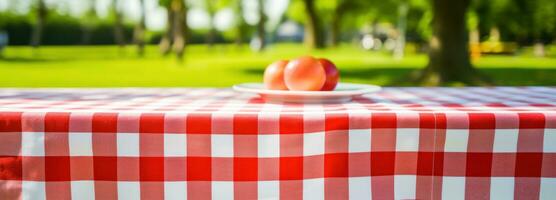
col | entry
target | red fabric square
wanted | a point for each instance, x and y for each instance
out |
(337, 122)
(503, 164)
(175, 169)
(10, 168)
(128, 169)
(246, 124)
(406, 163)
(336, 165)
(245, 146)
(454, 164)
(549, 165)
(33, 168)
(10, 122)
(531, 121)
(425, 163)
(151, 168)
(81, 168)
(313, 166)
(245, 169)
(105, 144)
(383, 140)
(245, 190)
(359, 164)
(151, 123)
(57, 168)
(56, 122)
(438, 164)
(478, 164)
(382, 163)
(427, 120)
(198, 124)
(105, 122)
(482, 121)
(198, 145)
(222, 169)
(528, 165)
(384, 120)
(291, 124)
(199, 169)
(269, 169)
(291, 168)
(10, 143)
(151, 144)
(105, 168)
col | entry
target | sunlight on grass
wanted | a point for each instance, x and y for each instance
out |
(225, 65)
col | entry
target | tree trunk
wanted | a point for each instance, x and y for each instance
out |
(313, 36)
(180, 27)
(449, 59)
(240, 26)
(337, 17)
(167, 39)
(403, 9)
(139, 33)
(261, 31)
(118, 25)
(36, 37)
(87, 27)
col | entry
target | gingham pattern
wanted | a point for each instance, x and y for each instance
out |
(401, 143)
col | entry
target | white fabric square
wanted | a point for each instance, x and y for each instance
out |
(505, 140)
(222, 145)
(548, 188)
(80, 144)
(404, 186)
(129, 190)
(127, 144)
(175, 145)
(313, 144)
(268, 145)
(34, 190)
(549, 140)
(313, 188)
(174, 190)
(360, 188)
(222, 190)
(407, 139)
(359, 140)
(82, 190)
(268, 190)
(32, 144)
(501, 188)
(456, 140)
(453, 188)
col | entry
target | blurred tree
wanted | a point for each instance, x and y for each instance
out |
(240, 23)
(449, 59)
(261, 30)
(180, 27)
(118, 24)
(167, 39)
(314, 34)
(90, 19)
(139, 32)
(41, 14)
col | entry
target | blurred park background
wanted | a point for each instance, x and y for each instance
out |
(218, 43)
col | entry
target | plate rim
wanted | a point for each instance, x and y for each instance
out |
(365, 88)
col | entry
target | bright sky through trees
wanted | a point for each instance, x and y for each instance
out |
(156, 17)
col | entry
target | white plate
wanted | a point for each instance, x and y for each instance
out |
(344, 92)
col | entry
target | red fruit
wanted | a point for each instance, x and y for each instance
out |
(304, 74)
(332, 74)
(274, 76)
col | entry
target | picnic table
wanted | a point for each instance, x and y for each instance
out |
(400, 143)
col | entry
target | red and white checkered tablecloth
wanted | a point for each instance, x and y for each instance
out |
(401, 143)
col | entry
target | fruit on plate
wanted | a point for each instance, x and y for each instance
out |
(274, 75)
(332, 74)
(304, 74)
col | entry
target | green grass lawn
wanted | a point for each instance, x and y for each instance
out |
(225, 65)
